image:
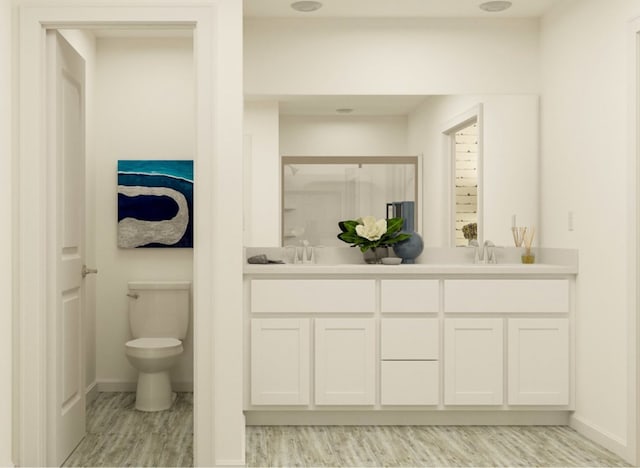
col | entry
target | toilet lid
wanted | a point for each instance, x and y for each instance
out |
(153, 343)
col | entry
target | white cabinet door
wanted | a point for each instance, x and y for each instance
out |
(538, 361)
(280, 361)
(409, 338)
(410, 382)
(410, 295)
(345, 361)
(473, 372)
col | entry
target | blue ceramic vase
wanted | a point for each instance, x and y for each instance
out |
(408, 250)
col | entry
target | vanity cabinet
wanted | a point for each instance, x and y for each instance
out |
(410, 368)
(345, 357)
(538, 365)
(473, 353)
(507, 341)
(367, 341)
(280, 361)
(536, 356)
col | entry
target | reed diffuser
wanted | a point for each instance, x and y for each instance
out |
(528, 256)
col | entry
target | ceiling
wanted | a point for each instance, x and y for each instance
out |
(361, 105)
(396, 9)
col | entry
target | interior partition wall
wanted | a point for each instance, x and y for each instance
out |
(217, 283)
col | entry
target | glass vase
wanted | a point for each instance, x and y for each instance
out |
(374, 255)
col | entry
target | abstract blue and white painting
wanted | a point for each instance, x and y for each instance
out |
(155, 203)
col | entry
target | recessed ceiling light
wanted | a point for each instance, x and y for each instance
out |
(306, 6)
(495, 6)
(344, 110)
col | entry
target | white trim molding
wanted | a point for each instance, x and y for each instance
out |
(91, 393)
(217, 278)
(600, 436)
(633, 245)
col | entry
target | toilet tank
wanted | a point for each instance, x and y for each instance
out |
(159, 309)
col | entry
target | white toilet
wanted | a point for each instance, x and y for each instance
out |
(159, 319)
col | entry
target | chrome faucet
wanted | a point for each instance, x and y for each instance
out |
(476, 250)
(486, 255)
(488, 252)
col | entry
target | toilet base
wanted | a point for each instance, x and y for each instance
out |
(154, 392)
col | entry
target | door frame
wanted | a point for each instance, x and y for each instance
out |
(633, 269)
(448, 132)
(217, 269)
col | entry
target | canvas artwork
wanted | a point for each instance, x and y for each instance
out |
(155, 203)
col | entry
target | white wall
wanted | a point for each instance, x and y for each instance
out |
(587, 169)
(262, 173)
(343, 135)
(84, 43)
(6, 207)
(144, 109)
(509, 162)
(390, 56)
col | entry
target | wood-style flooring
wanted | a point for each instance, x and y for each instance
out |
(118, 435)
(417, 446)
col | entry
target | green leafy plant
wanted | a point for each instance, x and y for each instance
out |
(369, 233)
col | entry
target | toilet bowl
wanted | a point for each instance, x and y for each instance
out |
(158, 317)
(153, 358)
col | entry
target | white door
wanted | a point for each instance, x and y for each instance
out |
(345, 361)
(280, 361)
(538, 361)
(66, 145)
(473, 357)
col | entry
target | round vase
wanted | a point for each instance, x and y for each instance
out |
(408, 250)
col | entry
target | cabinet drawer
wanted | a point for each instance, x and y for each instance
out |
(410, 383)
(409, 338)
(506, 296)
(410, 295)
(313, 296)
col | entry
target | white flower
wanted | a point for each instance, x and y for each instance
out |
(371, 229)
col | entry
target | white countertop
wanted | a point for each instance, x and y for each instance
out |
(515, 269)
(433, 261)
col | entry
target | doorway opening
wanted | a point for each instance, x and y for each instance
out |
(216, 138)
(464, 162)
(140, 102)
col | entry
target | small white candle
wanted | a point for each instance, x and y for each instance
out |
(513, 221)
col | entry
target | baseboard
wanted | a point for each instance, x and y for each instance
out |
(601, 436)
(91, 392)
(406, 418)
(230, 463)
(122, 386)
